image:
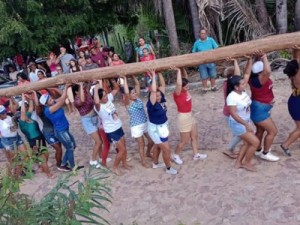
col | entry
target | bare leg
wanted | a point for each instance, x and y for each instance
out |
(194, 138)
(293, 136)
(165, 147)
(150, 145)
(141, 146)
(269, 126)
(156, 152)
(58, 153)
(97, 147)
(184, 139)
(252, 144)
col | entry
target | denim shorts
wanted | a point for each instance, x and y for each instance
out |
(1, 145)
(90, 123)
(260, 111)
(115, 136)
(11, 143)
(208, 71)
(50, 137)
(153, 131)
(237, 128)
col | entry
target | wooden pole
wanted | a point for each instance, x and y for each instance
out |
(268, 44)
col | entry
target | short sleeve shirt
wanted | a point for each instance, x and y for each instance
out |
(137, 113)
(110, 119)
(242, 103)
(57, 118)
(183, 101)
(8, 127)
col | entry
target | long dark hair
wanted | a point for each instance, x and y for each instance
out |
(291, 68)
(184, 81)
(22, 75)
(100, 93)
(232, 81)
(75, 88)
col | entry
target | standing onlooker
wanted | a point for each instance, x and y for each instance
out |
(64, 59)
(74, 66)
(33, 72)
(81, 60)
(52, 63)
(186, 123)
(292, 70)
(141, 46)
(97, 57)
(89, 65)
(12, 72)
(209, 70)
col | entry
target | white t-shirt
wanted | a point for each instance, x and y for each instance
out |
(33, 77)
(110, 120)
(242, 103)
(8, 128)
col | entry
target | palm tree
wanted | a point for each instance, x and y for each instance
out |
(262, 15)
(171, 26)
(297, 15)
(281, 16)
(195, 18)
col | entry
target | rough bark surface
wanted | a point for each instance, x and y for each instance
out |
(281, 16)
(268, 44)
(262, 15)
(171, 26)
(297, 15)
(195, 18)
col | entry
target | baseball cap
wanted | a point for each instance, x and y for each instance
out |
(258, 67)
(2, 110)
(44, 98)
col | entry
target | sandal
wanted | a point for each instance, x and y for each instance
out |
(286, 151)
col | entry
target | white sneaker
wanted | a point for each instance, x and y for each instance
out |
(95, 163)
(258, 153)
(269, 157)
(171, 171)
(199, 156)
(158, 165)
(176, 159)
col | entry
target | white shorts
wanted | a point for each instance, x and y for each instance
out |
(138, 130)
(158, 133)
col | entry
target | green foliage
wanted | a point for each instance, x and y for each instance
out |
(68, 203)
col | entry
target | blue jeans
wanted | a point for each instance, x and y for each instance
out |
(68, 141)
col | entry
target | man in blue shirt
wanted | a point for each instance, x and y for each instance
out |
(207, 71)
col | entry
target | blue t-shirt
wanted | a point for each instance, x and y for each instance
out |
(137, 113)
(158, 112)
(201, 46)
(57, 118)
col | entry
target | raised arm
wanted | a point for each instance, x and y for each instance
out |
(153, 89)
(178, 82)
(96, 96)
(162, 86)
(81, 93)
(266, 73)
(116, 87)
(23, 109)
(296, 53)
(60, 101)
(237, 70)
(137, 86)
(38, 108)
(248, 68)
(126, 91)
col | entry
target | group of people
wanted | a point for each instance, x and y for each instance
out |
(40, 115)
(240, 109)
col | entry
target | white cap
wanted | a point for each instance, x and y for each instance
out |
(258, 67)
(20, 103)
(44, 98)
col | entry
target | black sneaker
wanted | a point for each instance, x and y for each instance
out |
(286, 151)
(64, 169)
(79, 167)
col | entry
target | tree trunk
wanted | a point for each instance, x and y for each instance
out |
(195, 18)
(281, 16)
(171, 26)
(297, 15)
(267, 44)
(262, 15)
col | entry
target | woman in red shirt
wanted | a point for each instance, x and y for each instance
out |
(262, 102)
(186, 123)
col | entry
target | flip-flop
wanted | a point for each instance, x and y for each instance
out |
(230, 155)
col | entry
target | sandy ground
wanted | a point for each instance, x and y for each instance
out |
(204, 192)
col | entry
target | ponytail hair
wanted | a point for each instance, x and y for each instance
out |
(291, 68)
(232, 81)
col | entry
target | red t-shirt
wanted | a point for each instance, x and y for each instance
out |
(183, 101)
(264, 93)
(117, 63)
(145, 59)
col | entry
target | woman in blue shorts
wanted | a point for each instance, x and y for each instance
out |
(293, 72)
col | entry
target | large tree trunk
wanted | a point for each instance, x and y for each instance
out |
(281, 16)
(268, 44)
(262, 15)
(171, 26)
(297, 15)
(195, 18)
